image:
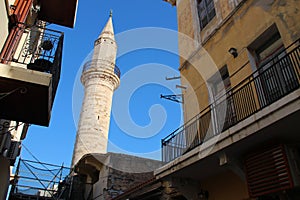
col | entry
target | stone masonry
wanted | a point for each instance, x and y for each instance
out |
(99, 80)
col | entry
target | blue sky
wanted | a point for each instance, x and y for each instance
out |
(54, 144)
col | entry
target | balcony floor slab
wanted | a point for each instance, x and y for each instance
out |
(25, 95)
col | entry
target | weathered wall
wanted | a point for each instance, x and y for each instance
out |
(93, 126)
(3, 23)
(119, 181)
(4, 176)
(231, 27)
(117, 172)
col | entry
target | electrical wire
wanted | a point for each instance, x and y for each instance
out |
(37, 160)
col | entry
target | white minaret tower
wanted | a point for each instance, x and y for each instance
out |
(100, 77)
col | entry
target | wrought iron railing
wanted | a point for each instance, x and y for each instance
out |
(36, 179)
(103, 65)
(272, 81)
(36, 48)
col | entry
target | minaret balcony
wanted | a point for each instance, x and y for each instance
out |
(29, 73)
(103, 66)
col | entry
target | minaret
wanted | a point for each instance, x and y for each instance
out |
(100, 77)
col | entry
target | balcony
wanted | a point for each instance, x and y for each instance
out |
(102, 66)
(29, 73)
(272, 82)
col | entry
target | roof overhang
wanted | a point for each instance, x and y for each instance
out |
(58, 12)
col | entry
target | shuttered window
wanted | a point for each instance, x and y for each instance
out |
(206, 11)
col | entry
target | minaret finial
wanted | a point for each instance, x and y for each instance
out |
(110, 13)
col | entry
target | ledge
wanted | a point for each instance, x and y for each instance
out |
(25, 75)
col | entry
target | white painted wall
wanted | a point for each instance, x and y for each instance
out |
(3, 23)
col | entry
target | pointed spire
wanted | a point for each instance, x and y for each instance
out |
(108, 30)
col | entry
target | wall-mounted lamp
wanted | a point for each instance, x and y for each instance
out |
(233, 51)
(203, 195)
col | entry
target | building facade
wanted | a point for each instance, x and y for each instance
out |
(239, 63)
(30, 63)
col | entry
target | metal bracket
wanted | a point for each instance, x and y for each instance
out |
(174, 97)
(172, 78)
(22, 90)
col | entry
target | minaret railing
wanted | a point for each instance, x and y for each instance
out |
(102, 65)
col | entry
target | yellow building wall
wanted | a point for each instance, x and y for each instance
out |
(226, 186)
(233, 26)
(187, 30)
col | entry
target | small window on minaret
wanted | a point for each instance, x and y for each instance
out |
(98, 117)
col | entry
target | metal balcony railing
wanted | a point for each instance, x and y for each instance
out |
(36, 48)
(272, 81)
(102, 65)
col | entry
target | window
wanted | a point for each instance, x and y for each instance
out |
(269, 49)
(206, 11)
(219, 83)
(222, 104)
(276, 74)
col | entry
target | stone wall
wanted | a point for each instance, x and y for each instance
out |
(118, 181)
(113, 173)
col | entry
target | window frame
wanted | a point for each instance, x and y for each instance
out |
(206, 12)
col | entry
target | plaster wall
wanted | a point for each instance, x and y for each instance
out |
(5, 175)
(3, 23)
(237, 24)
(221, 187)
(99, 188)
